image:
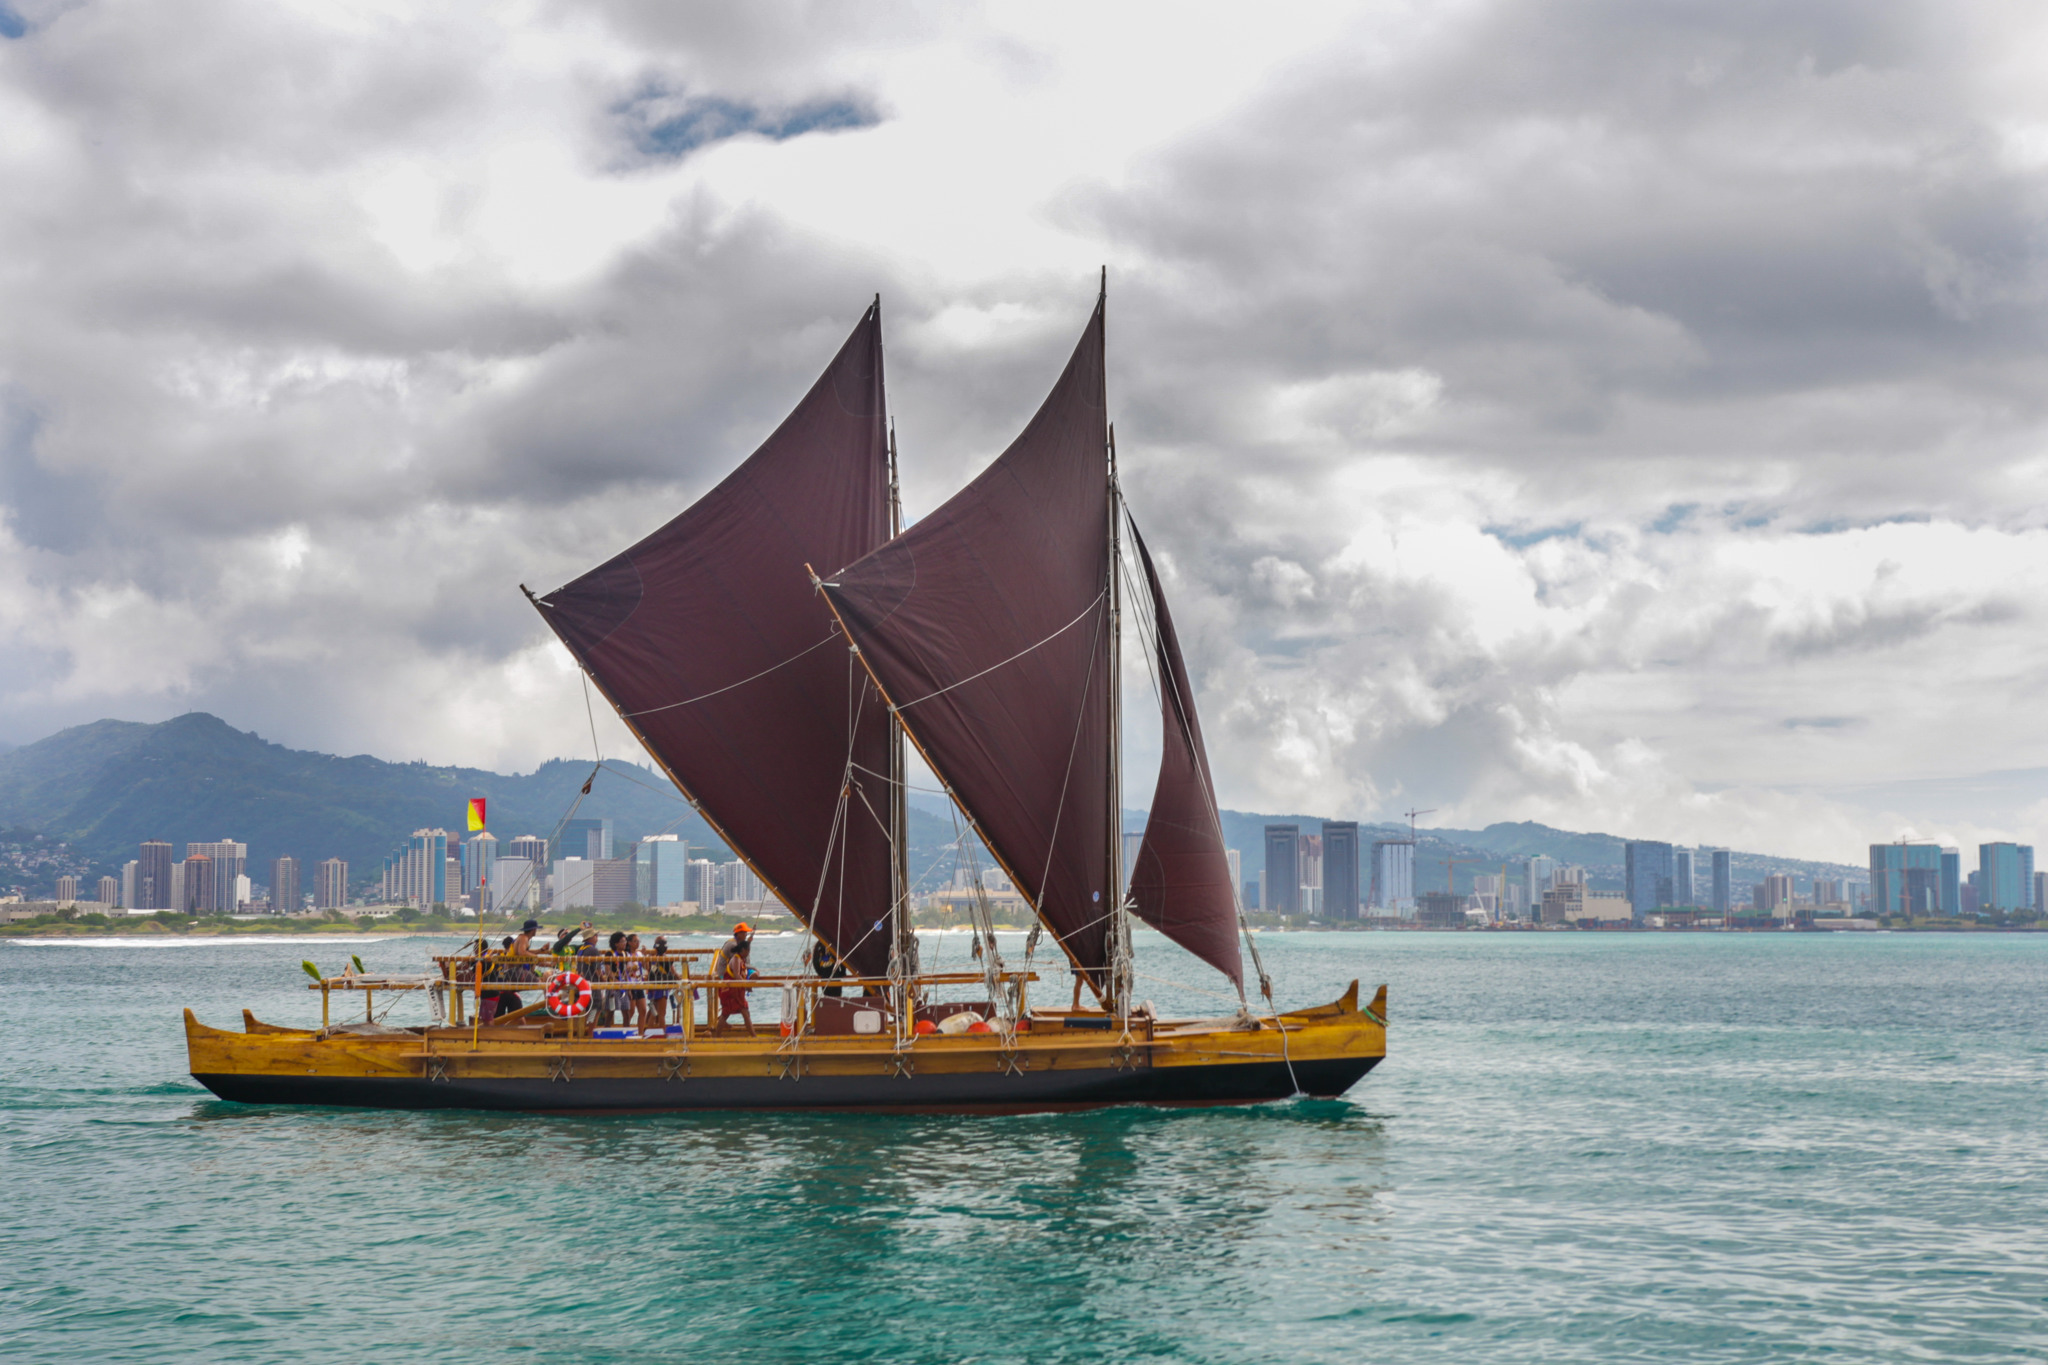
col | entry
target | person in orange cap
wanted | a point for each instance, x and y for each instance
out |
(735, 963)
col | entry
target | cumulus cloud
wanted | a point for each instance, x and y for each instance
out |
(1622, 416)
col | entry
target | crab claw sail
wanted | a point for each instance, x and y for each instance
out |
(709, 640)
(987, 625)
(1181, 882)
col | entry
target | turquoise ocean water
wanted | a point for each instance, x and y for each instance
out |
(1582, 1148)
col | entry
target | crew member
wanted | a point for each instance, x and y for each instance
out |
(826, 966)
(735, 965)
(513, 970)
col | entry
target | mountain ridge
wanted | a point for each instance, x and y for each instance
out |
(105, 786)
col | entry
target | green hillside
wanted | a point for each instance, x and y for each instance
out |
(103, 788)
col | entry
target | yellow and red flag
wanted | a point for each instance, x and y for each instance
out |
(476, 813)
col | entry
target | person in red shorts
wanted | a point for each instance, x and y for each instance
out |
(734, 963)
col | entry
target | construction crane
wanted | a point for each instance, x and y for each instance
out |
(1450, 866)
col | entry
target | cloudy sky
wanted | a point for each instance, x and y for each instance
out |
(1623, 415)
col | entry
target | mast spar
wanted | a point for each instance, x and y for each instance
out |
(903, 963)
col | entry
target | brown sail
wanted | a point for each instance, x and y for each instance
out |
(1181, 882)
(987, 625)
(709, 640)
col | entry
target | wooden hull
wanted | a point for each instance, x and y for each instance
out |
(1325, 1052)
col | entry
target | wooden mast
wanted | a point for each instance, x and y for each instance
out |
(903, 964)
(1118, 988)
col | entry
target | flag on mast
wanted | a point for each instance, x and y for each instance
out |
(476, 813)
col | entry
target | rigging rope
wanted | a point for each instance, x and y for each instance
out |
(905, 706)
(706, 696)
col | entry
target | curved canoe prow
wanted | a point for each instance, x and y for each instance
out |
(251, 1024)
(1056, 1060)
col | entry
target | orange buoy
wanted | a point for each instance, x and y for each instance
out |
(925, 1026)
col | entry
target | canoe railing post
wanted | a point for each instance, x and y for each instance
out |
(686, 1005)
(369, 1005)
(323, 1002)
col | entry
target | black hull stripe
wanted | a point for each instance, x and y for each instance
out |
(1238, 1083)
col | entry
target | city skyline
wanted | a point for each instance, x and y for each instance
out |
(1659, 885)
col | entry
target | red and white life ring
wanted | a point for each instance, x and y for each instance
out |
(568, 995)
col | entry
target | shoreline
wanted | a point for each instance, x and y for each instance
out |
(58, 933)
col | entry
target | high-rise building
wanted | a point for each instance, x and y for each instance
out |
(418, 875)
(1540, 870)
(1646, 877)
(227, 861)
(429, 867)
(1951, 881)
(130, 874)
(2005, 877)
(479, 851)
(1682, 892)
(178, 897)
(588, 839)
(1724, 883)
(737, 882)
(451, 881)
(1393, 877)
(67, 890)
(702, 886)
(531, 847)
(1905, 879)
(1340, 869)
(1773, 896)
(330, 885)
(571, 886)
(153, 877)
(1827, 891)
(200, 886)
(284, 886)
(611, 884)
(2040, 892)
(1236, 861)
(110, 891)
(661, 870)
(1281, 894)
(515, 885)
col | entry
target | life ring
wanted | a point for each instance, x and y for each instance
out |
(568, 995)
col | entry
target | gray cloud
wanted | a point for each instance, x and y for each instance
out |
(1533, 406)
